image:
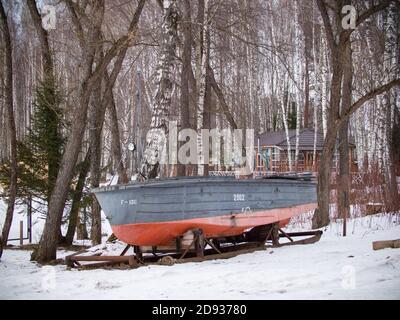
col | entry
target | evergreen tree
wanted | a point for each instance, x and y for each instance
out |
(40, 153)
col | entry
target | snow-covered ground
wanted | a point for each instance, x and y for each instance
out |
(38, 222)
(333, 268)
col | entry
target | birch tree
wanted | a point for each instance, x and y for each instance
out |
(155, 141)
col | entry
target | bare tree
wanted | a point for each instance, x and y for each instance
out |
(337, 47)
(89, 43)
(11, 126)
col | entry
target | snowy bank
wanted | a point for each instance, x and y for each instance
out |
(333, 268)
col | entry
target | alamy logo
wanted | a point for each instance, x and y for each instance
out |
(49, 281)
(350, 18)
(49, 18)
(216, 147)
(348, 277)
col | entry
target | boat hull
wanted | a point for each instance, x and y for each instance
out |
(156, 213)
(164, 233)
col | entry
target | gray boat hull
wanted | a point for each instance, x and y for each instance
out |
(156, 212)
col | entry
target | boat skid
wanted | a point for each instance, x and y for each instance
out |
(200, 249)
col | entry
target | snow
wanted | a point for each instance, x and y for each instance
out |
(336, 267)
(20, 214)
(38, 222)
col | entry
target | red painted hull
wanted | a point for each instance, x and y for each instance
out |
(165, 233)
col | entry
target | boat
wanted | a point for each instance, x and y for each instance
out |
(158, 212)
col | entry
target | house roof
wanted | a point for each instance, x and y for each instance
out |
(306, 139)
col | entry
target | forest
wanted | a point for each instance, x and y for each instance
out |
(87, 86)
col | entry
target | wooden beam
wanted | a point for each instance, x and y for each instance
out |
(286, 235)
(377, 245)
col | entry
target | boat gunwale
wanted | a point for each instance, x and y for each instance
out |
(184, 181)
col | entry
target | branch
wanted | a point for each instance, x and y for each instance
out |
(122, 43)
(43, 37)
(72, 7)
(367, 13)
(222, 101)
(365, 98)
(327, 24)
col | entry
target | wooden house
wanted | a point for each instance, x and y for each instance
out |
(272, 151)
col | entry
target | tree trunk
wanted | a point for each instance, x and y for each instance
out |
(1, 246)
(201, 74)
(116, 142)
(185, 76)
(392, 44)
(285, 106)
(96, 120)
(81, 232)
(48, 66)
(321, 216)
(343, 185)
(155, 146)
(392, 192)
(206, 116)
(298, 127)
(47, 249)
(221, 98)
(207, 124)
(8, 92)
(306, 92)
(76, 200)
(325, 167)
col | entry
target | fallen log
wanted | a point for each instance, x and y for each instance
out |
(378, 245)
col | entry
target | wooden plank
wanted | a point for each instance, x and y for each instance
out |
(100, 258)
(225, 255)
(286, 235)
(316, 236)
(212, 245)
(373, 208)
(378, 245)
(125, 250)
